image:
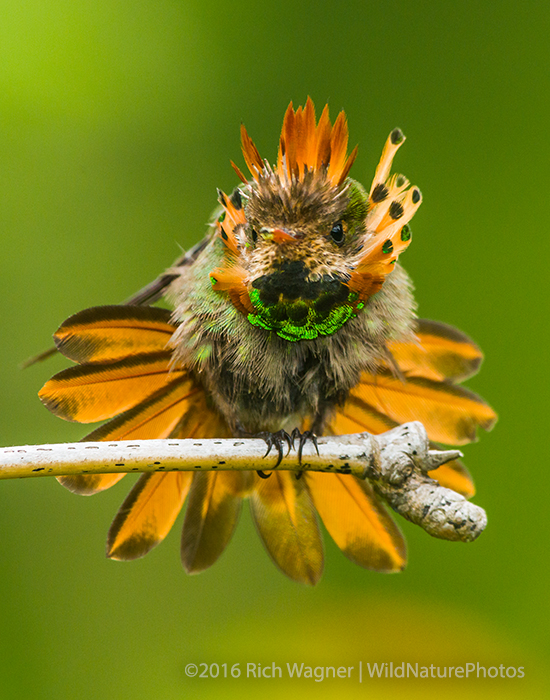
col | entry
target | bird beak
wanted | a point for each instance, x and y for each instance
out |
(279, 235)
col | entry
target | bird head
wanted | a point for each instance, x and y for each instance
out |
(305, 245)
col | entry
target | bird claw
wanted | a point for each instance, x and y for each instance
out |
(279, 439)
(304, 437)
(262, 474)
(276, 440)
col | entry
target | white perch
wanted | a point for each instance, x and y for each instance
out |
(395, 463)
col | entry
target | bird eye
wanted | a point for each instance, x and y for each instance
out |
(337, 233)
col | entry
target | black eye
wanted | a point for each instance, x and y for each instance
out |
(337, 233)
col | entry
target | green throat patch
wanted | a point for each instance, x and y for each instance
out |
(302, 320)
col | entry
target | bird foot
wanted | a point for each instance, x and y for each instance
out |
(303, 438)
(281, 438)
(277, 440)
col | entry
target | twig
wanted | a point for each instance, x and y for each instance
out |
(396, 463)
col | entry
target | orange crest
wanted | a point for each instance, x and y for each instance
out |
(308, 148)
(304, 147)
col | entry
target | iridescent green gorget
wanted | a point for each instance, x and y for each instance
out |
(301, 320)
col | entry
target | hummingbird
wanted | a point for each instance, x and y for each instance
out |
(292, 318)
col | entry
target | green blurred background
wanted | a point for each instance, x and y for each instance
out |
(117, 123)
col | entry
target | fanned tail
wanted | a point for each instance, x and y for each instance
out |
(357, 521)
(126, 375)
(147, 514)
(440, 353)
(439, 356)
(285, 518)
(450, 414)
(357, 417)
(212, 514)
(156, 417)
(111, 333)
